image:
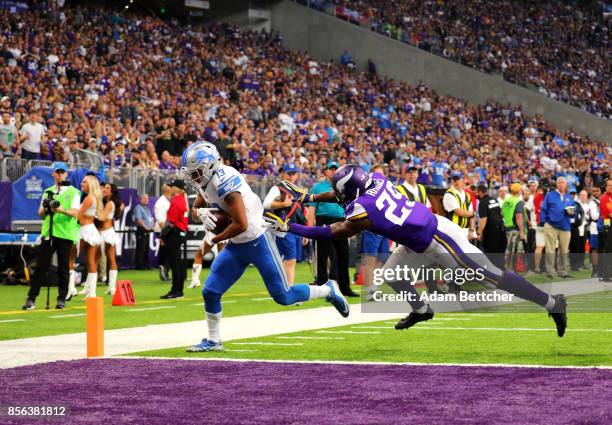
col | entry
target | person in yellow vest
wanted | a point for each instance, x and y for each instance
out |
(458, 206)
(513, 211)
(60, 202)
(417, 193)
(410, 188)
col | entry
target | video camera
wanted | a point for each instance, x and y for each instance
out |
(50, 204)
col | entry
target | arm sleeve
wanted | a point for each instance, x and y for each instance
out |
(273, 195)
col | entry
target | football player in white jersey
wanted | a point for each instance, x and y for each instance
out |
(224, 188)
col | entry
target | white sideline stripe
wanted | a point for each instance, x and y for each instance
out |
(150, 308)
(372, 327)
(346, 362)
(510, 329)
(267, 343)
(68, 315)
(242, 351)
(309, 337)
(345, 332)
(261, 299)
(12, 320)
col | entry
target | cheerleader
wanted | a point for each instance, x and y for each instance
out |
(112, 211)
(91, 240)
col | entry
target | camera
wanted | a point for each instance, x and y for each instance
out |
(49, 204)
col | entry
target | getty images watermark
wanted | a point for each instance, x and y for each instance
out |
(404, 274)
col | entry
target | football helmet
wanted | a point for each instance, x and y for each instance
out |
(199, 163)
(349, 182)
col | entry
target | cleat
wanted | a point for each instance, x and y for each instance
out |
(29, 305)
(72, 292)
(336, 298)
(163, 273)
(171, 296)
(60, 305)
(194, 284)
(414, 318)
(206, 345)
(559, 313)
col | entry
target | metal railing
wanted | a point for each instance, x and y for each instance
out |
(147, 181)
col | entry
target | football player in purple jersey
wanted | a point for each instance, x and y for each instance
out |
(373, 203)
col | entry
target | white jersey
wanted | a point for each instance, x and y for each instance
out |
(225, 181)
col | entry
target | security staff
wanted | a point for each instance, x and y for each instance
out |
(337, 250)
(458, 205)
(280, 202)
(59, 202)
(417, 193)
(174, 235)
(411, 189)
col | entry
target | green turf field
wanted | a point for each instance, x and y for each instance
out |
(247, 296)
(487, 338)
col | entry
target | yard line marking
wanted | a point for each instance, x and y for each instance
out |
(309, 337)
(265, 343)
(68, 315)
(372, 327)
(242, 351)
(346, 362)
(12, 320)
(151, 308)
(511, 329)
(346, 332)
(260, 299)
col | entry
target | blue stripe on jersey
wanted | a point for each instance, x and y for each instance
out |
(229, 186)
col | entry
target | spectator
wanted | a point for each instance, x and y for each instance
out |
(592, 216)
(605, 240)
(556, 211)
(579, 231)
(144, 226)
(31, 136)
(332, 255)
(8, 135)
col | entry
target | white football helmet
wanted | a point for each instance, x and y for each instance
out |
(199, 163)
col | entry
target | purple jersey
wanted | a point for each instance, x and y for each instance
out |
(392, 215)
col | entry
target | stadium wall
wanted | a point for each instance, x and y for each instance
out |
(325, 37)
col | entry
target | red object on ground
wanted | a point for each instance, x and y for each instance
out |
(124, 295)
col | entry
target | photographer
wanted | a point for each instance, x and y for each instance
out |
(59, 208)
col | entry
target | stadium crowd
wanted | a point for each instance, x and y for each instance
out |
(558, 48)
(136, 90)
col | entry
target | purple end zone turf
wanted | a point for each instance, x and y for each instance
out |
(181, 392)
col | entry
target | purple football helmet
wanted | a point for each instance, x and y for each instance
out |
(349, 182)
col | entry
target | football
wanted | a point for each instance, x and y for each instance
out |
(223, 220)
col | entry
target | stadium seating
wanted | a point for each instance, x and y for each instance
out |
(136, 90)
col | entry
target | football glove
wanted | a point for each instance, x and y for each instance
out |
(207, 218)
(274, 223)
(299, 194)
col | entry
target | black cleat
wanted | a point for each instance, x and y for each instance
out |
(60, 305)
(559, 313)
(171, 296)
(29, 305)
(414, 318)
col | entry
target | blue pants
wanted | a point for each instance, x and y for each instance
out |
(230, 264)
(288, 246)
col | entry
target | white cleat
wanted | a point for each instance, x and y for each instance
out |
(194, 284)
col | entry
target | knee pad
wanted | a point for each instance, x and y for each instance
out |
(212, 301)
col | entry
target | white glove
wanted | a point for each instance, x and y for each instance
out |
(207, 218)
(274, 223)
